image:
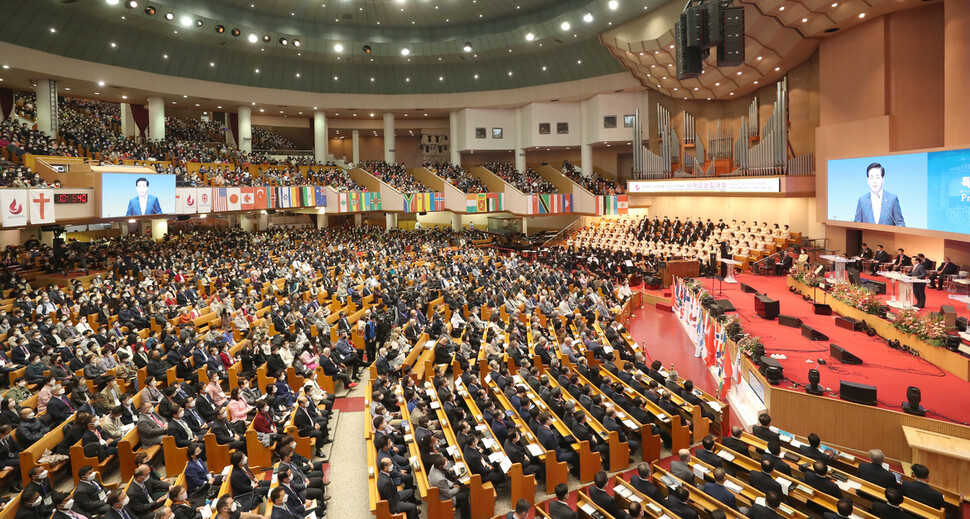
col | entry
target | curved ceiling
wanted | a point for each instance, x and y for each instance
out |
(435, 33)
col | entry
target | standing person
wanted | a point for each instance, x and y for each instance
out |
(919, 272)
(370, 337)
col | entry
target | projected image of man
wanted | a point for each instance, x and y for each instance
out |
(143, 203)
(878, 205)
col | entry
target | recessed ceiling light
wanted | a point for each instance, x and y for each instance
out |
(253, 38)
(759, 58)
(543, 68)
(756, 82)
(782, 8)
(261, 110)
(407, 80)
(579, 62)
(284, 42)
(405, 51)
(199, 23)
(371, 80)
(804, 20)
(613, 5)
(836, 4)
(169, 16)
(114, 45)
(588, 17)
(219, 107)
(68, 88)
(257, 71)
(185, 21)
(335, 78)
(212, 64)
(441, 78)
(186, 97)
(467, 47)
(266, 38)
(476, 76)
(100, 83)
(296, 43)
(297, 74)
(97, 93)
(862, 15)
(777, 69)
(739, 72)
(510, 73)
(53, 30)
(565, 26)
(124, 97)
(715, 84)
(338, 48)
(112, 2)
(529, 36)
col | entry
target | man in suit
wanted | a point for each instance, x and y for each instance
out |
(681, 468)
(878, 205)
(818, 478)
(735, 443)
(843, 510)
(518, 454)
(307, 425)
(879, 258)
(521, 510)
(456, 492)
(477, 464)
(41, 485)
(280, 510)
(151, 427)
(945, 268)
(677, 503)
(874, 472)
(763, 429)
(770, 508)
(641, 482)
(718, 491)
(604, 500)
(143, 203)
(117, 508)
(919, 289)
(548, 440)
(774, 454)
(140, 493)
(558, 507)
(706, 453)
(891, 508)
(902, 260)
(812, 450)
(397, 501)
(765, 479)
(920, 490)
(89, 495)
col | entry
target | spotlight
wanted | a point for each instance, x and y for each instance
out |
(220, 29)
(284, 42)
(565, 26)
(296, 43)
(253, 38)
(529, 36)
(150, 11)
(911, 405)
(588, 17)
(131, 4)
(169, 16)
(185, 21)
(467, 47)
(112, 2)
(337, 47)
(366, 49)
(613, 4)
(813, 379)
(198, 23)
(405, 51)
(266, 38)
(235, 32)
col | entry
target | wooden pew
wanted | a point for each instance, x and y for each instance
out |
(30, 455)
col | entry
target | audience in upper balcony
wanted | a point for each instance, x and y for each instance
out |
(194, 130)
(528, 182)
(267, 139)
(395, 175)
(594, 182)
(455, 175)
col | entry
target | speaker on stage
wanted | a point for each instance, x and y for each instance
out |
(726, 305)
(842, 355)
(822, 309)
(953, 342)
(949, 316)
(748, 289)
(812, 334)
(788, 320)
(848, 323)
(766, 307)
(858, 393)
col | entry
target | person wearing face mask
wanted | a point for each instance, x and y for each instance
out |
(311, 486)
(297, 503)
(90, 495)
(60, 407)
(30, 429)
(181, 507)
(118, 506)
(9, 412)
(265, 425)
(31, 506)
(64, 507)
(225, 434)
(96, 442)
(9, 452)
(248, 490)
(19, 392)
(41, 485)
(140, 491)
(151, 427)
(280, 509)
(228, 508)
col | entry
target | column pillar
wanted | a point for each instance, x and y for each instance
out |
(156, 118)
(321, 149)
(519, 150)
(456, 222)
(525, 225)
(10, 237)
(262, 223)
(956, 45)
(128, 126)
(247, 222)
(46, 106)
(159, 228)
(585, 146)
(124, 227)
(389, 150)
(358, 220)
(453, 138)
(355, 143)
(390, 220)
(323, 221)
(245, 130)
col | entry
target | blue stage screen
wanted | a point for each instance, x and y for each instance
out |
(136, 194)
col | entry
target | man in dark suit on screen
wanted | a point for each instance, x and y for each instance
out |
(878, 205)
(143, 203)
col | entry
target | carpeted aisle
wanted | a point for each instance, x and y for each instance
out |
(891, 371)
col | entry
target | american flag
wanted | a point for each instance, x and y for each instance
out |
(219, 199)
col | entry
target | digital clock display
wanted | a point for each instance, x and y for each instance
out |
(70, 198)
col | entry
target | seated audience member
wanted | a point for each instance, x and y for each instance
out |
(558, 507)
(920, 490)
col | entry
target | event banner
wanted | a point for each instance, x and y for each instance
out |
(612, 204)
(186, 200)
(423, 202)
(13, 207)
(720, 185)
(919, 190)
(357, 201)
(550, 204)
(136, 194)
(485, 202)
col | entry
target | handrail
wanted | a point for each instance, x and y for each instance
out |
(564, 229)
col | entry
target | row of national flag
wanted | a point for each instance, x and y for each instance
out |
(707, 333)
(192, 200)
(612, 204)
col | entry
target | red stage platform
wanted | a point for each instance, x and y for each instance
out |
(891, 371)
(934, 298)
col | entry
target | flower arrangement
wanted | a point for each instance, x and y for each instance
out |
(929, 327)
(805, 274)
(749, 344)
(857, 297)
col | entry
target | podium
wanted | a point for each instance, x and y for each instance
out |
(730, 270)
(902, 298)
(839, 261)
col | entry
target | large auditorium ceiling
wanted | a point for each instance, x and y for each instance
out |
(451, 45)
